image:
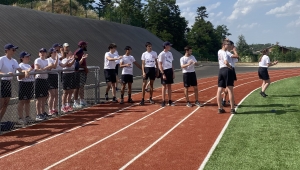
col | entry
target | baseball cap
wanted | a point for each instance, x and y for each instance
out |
(43, 50)
(66, 45)
(9, 46)
(51, 50)
(80, 43)
(167, 43)
(24, 54)
(55, 45)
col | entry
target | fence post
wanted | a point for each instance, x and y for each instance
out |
(59, 96)
(0, 107)
(96, 86)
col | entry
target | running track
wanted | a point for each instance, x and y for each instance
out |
(114, 136)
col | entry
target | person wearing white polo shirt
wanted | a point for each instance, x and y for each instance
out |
(110, 72)
(126, 63)
(8, 65)
(165, 59)
(188, 63)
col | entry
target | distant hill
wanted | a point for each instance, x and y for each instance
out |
(258, 47)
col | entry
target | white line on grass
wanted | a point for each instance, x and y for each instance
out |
(225, 127)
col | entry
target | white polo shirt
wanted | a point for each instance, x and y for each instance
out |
(222, 57)
(110, 64)
(127, 60)
(24, 66)
(8, 65)
(116, 56)
(64, 61)
(166, 58)
(264, 61)
(185, 60)
(149, 58)
(52, 61)
(42, 63)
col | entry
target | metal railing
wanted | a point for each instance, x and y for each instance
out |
(10, 120)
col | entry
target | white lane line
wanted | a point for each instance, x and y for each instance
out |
(159, 139)
(225, 127)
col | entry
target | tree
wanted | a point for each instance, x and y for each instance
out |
(222, 32)
(201, 13)
(87, 5)
(101, 6)
(242, 46)
(131, 12)
(163, 18)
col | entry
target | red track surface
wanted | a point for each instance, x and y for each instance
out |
(139, 137)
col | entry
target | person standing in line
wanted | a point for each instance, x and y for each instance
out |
(109, 71)
(26, 89)
(233, 58)
(58, 48)
(225, 78)
(165, 59)
(149, 62)
(41, 84)
(54, 62)
(117, 69)
(126, 63)
(68, 67)
(80, 76)
(264, 63)
(188, 63)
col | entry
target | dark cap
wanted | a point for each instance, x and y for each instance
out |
(43, 50)
(167, 43)
(52, 50)
(127, 48)
(56, 45)
(9, 46)
(80, 43)
(24, 54)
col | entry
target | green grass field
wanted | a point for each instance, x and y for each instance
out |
(259, 138)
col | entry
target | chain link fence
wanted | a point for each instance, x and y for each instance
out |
(38, 98)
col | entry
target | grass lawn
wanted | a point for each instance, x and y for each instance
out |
(265, 132)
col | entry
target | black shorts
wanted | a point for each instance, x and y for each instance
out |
(169, 76)
(127, 78)
(83, 77)
(67, 81)
(150, 73)
(5, 88)
(53, 81)
(110, 75)
(226, 77)
(234, 74)
(26, 90)
(189, 79)
(117, 69)
(41, 88)
(263, 73)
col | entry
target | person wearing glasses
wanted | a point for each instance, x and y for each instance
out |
(226, 76)
(8, 65)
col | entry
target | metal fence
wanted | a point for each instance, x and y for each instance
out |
(13, 92)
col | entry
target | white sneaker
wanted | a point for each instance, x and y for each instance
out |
(76, 106)
(83, 103)
(21, 121)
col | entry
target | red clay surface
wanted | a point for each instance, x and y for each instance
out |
(113, 140)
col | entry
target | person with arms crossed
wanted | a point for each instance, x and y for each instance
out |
(109, 71)
(225, 78)
(188, 63)
(264, 63)
(8, 65)
(127, 73)
(165, 59)
(149, 63)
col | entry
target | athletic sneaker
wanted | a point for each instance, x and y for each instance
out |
(263, 94)
(188, 104)
(83, 103)
(114, 100)
(171, 103)
(163, 104)
(40, 117)
(76, 106)
(106, 97)
(232, 111)
(223, 103)
(51, 112)
(122, 101)
(221, 111)
(151, 101)
(197, 103)
(28, 119)
(130, 101)
(21, 121)
(64, 109)
(46, 115)
(69, 108)
(142, 102)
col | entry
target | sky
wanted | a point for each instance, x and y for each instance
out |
(260, 21)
